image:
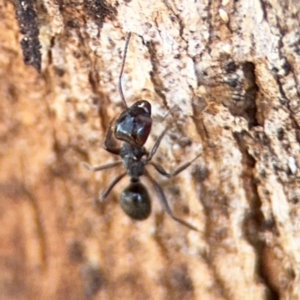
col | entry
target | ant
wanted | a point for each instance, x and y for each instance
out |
(133, 128)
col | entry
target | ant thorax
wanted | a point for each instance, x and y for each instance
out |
(132, 159)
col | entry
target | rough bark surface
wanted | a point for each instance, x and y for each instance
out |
(224, 75)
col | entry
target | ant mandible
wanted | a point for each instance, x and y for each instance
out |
(133, 128)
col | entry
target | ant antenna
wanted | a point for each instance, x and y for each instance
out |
(122, 69)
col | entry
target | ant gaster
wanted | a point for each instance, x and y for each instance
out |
(133, 127)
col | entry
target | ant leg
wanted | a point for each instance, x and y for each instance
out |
(102, 167)
(108, 143)
(110, 187)
(156, 145)
(163, 172)
(165, 204)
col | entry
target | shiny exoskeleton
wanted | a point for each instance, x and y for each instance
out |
(133, 127)
(134, 124)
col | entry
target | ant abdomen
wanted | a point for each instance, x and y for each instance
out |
(134, 125)
(135, 201)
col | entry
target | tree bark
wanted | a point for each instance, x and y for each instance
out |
(223, 76)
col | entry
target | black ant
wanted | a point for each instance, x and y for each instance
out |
(133, 127)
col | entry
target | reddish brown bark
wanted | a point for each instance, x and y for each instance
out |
(228, 76)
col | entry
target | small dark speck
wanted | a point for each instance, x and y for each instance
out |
(226, 127)
(185, 209)
(93, 280)
(286, 67)
(280, 134)
(265, 140)
(180, 279)
(63, 85)
(73, 23)
(268, 224)
(200, 173)
(77, 54)
(204, 73)
(149, 25)
(175, 190)
(282, 101)
(230, 67)
(185, 142)
(178, 56)
(232, 83)
(75, 251)
(59, 72)
(297, 51)
(172, 19)
(257, 181)
(288, 172)
(81, 117)
(263, 173)
(294, 200)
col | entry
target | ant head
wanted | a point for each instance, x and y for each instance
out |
(141, 107)
(135, 201)
(134, 125)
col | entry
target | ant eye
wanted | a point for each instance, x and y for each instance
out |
(135, 201)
